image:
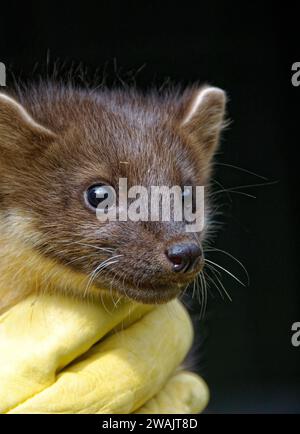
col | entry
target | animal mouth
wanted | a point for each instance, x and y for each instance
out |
(158, 294)
(148, 293)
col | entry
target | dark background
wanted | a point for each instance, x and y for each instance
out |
(247, 356)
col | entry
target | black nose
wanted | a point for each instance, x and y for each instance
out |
(184, 257)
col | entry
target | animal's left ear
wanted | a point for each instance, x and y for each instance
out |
(203, 119)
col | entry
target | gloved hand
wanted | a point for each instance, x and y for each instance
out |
(61, 355)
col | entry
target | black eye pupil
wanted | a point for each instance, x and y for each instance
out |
(96, 194)
(189, 194)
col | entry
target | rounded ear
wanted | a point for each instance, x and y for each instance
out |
(203, 119)
(19, 132)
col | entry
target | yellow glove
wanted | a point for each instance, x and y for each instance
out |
(60, 355)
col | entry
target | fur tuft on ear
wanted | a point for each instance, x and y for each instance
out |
(18, 130)
(203, 119)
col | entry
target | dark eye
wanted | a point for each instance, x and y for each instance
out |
(188, 197)
(96, 194)
(187, 192)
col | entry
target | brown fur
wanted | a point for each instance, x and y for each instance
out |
(77, 138)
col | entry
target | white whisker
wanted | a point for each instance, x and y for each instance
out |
(225, 270)
(214, 249)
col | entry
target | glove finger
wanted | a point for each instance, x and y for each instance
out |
(124, 371)
(42, 334)
(184, 393)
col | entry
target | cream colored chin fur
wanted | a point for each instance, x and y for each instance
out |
(23, 270)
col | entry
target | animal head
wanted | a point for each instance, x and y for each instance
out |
(61, 146)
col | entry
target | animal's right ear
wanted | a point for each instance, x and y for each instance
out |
(19, 132)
